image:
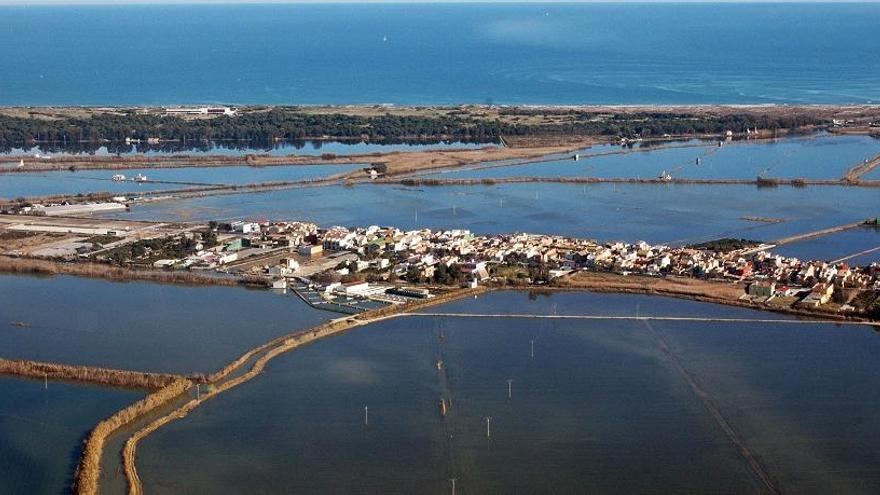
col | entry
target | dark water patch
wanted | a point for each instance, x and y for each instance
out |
(597, 409)
(42, 430)
(142, 326)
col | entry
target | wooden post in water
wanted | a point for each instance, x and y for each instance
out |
(509, 388)
(366, 415)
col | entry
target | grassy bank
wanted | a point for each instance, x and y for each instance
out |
(28, 266)
(488, 181)
(685, 288)
(86, 374)
(88, 470)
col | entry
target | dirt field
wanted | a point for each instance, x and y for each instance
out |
(397, 162)
(659, 285)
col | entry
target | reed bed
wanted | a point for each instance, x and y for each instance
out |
(88, 470)
(88, 374)
(30, 266)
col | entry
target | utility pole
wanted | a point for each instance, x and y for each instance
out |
(366, 415)
(509, 388)
(453, 484)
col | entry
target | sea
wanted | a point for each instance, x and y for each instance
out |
(499, 53)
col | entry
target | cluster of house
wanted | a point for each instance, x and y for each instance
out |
(421, 253)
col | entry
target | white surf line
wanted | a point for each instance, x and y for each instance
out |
(648, 318)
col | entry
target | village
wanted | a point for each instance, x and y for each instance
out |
(387, 264)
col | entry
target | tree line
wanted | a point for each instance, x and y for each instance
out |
(293, 125)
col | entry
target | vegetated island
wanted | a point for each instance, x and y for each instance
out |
(119, 129)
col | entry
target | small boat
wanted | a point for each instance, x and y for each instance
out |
(439, 364)
(21, 163)
(118, 177)
(665, 176)
(140, 178)
(20, 324)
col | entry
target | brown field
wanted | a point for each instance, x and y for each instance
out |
(728, 293)
(29, 266)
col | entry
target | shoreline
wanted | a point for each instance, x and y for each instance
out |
(88, 375)
(684, 288)
(46, 268)
(707, 291)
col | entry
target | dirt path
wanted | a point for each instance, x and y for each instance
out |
(266, 353)
(754, 465)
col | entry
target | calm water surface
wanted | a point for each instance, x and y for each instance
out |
(873, 175)
(142, 326)
(837, 246)
(657, 214)
(27, 184)
(424, 54)
(229, 149)
(599, 408)
(816, 157)
(42, 430)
